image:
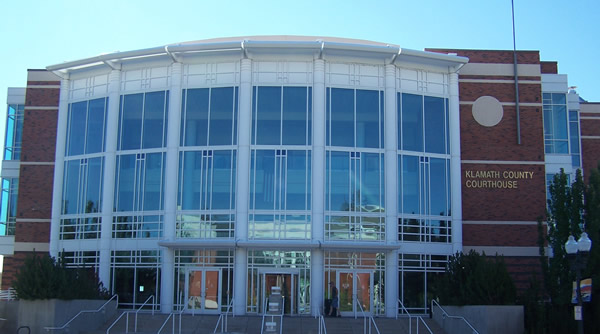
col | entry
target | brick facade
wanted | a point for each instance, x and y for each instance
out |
(36, 175)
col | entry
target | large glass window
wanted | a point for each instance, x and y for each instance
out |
(424, 199)
(282, 115)
(207, 180)
(556, 136)
(82, 190)
(8, 208)
(574, 138)
(423, 123)
(143, 120)
(135, 276)
(354, 182)
(355, 118)
(280, 180)
(354, 196)
(137, 227)
(139, 182)
(82, 198)
(86, 127)
(209, 116)
(14, 132)
(417, 275)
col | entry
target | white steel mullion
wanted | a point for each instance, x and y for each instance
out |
(281, 115)
(208, 117)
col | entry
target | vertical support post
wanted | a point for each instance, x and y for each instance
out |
(455, 165)
(391, 193)
(59, 165)
(108, 182)
(318, 187)
(518, 116)
(243, 183)
(172, 159)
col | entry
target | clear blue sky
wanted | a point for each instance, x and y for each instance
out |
(35, 34)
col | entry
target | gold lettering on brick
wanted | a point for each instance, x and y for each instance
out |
(494, 179)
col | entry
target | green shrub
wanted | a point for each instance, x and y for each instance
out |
(43, 277)
(474, 279)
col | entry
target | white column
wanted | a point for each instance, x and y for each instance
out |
(243, 183)
(168, 254)
(59, 166)
(391, 184)
(455, 166)
(318, 186)
(108, 182)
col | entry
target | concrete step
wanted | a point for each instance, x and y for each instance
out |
(205, 324)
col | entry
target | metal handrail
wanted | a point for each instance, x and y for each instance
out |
(174, 315)
(119, 318)
(262, 325)
(140, 308)
(409, 316)
(9, 294)
(419, 318)
(85, 311)
(446, 315)
(370, 318)
(322, 327)
(224, 323)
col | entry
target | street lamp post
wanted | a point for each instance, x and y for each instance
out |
(577, 252)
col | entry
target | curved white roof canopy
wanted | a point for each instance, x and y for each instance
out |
(320, 47)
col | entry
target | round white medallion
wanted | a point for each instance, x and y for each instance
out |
(487, 111)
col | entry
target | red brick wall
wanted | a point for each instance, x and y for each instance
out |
(494, 56)
(549, 67)
(500, 142)
(504, 92)
(590, 153)
(526, 202)
(515, 235)
(36, 179)
(39, 135)
(590, 127)
(42, 97)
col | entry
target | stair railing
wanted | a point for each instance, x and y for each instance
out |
(84, 311)
(126, 314)
(368, 320)
(322, 327)
(410, 317)
(140, 308)
(9, 294)
(174, 315)
(280, 316)
(446, 315)
(223, 318)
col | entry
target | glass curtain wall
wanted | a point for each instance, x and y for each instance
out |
(8, 208)
(424, 199)
(83, 170)
(138, 207)
(14, 132)
(556, 123)
(354, 198)
(207, 163)
(280, 174)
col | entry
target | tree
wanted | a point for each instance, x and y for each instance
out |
(572, 209)
(43, 277)
(475, 279)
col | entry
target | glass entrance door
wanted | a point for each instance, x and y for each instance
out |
(288, 283)
(355, 287)
(203, 290)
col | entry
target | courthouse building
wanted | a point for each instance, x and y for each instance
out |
(206, 172)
